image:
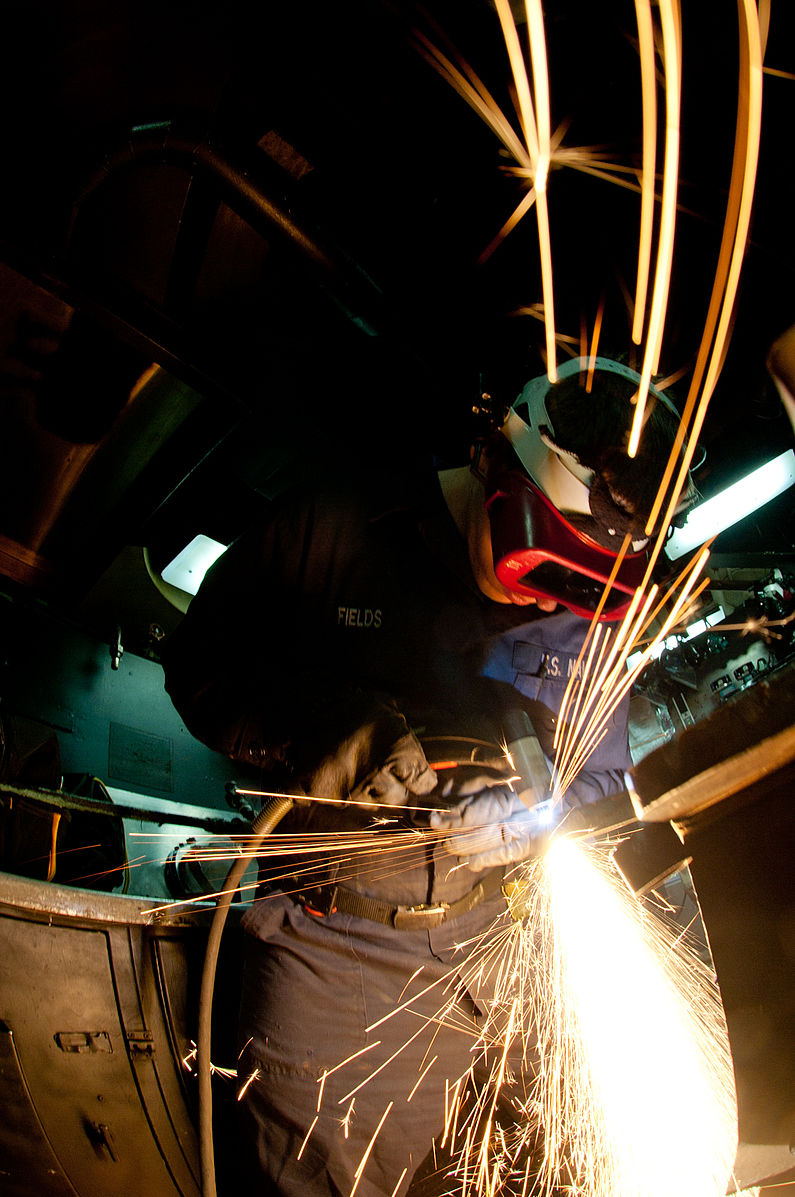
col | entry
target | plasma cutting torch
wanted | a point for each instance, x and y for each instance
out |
(527, 757)
(645, 856)
(502, 824)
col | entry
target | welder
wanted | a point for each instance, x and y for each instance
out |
(368, 631)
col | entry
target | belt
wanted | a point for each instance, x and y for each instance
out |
(333, 899)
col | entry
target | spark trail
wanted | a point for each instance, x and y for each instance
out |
(594, 1001)
(644, 1061)
(604, 1043)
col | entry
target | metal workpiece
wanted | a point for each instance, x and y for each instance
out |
(742, 743)
(728, 786)
(52, 901)
(97, 1035)
(145, 811)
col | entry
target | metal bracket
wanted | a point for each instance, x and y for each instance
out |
(141, 1044)
(101, 1137)
(83, 1041)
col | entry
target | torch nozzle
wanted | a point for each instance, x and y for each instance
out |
(528, 758)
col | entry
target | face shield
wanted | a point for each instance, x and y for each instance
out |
(546, 542)
(537, 552)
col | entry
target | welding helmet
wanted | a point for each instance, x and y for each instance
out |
(556, 527)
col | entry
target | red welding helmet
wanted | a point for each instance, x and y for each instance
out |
(538, 552)
(556, 526)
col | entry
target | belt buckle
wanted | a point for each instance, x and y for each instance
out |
(415, 918)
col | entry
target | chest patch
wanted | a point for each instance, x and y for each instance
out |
(546, 664)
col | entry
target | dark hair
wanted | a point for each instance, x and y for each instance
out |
(595, 427)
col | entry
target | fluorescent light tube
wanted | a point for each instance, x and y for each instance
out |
(733, 504)
(191, 563)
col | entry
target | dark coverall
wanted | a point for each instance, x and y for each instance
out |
(352, 588)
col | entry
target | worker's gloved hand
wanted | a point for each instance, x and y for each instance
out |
(490, 827)
(364, 752)
(403, 773)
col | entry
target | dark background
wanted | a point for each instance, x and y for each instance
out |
(287, 208)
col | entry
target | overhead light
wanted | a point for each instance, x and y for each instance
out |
(191, 563)
(733, 504)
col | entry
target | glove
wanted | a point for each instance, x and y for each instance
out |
(490, 827)
(376, 762)
(404, 772)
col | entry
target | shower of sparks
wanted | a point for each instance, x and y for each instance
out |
(250, 1080)
(312, 1126)
(597, 328)
(708, 363)
(633, 1048)
(714, 341)
(346, 1122)
(547, 972)
(760, 627)
(189, 1064)
(616, 1021)
(583, 960)
(609, 1012)
(396, 1189)
(538, 55)
(537, 150)
(363, 1162)
(601, 679)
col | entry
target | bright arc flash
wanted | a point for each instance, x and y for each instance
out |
(663, 1096)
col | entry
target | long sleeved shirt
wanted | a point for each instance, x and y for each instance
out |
(364, 585)
(539, 660)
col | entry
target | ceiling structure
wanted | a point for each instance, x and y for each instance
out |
(232, 235)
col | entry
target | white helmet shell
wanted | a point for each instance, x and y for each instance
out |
(558, 474)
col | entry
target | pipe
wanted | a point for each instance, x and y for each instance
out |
(270, 815)
(162, 143)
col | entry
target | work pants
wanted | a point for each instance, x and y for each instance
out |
(356, 1035)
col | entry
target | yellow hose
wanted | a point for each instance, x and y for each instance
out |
(271, 814)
